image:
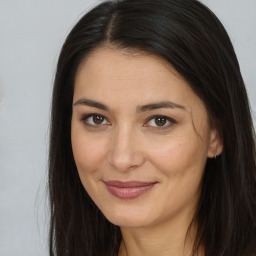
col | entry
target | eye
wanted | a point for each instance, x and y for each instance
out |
(95, 120)
(160, 122)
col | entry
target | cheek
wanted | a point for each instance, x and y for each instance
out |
(180, 154)
(88, 153)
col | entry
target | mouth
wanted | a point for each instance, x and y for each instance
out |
(128, 190)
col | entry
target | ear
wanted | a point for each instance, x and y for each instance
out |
(215, 144)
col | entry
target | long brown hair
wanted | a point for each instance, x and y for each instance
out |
(192, 39)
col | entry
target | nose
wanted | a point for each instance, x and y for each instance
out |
(126, 150)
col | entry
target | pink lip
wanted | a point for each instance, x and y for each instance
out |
(128, 190)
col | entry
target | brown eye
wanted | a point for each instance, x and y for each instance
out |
(97, 119)
(160, 121)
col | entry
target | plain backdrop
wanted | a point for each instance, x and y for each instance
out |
(31, 35)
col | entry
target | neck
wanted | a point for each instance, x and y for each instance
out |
(169, 238)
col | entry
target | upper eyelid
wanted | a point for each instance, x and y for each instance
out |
(91, 114)
(155, 116)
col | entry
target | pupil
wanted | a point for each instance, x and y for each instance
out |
(160, 121)
(98, 119)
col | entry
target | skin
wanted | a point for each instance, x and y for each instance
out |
(128, 144)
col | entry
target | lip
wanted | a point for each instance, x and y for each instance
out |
(128, 189)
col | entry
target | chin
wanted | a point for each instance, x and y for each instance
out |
(128, 222)
(129, 218)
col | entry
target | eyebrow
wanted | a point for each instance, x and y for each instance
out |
(139, 109)
(158, 105)
(91, 103)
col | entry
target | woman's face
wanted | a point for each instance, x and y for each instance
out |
(140, 138)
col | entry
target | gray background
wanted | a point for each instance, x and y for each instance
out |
(31, 35)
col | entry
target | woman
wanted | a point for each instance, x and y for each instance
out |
(152, 148)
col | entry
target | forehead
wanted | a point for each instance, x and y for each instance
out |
(127, 59)
(119, 76)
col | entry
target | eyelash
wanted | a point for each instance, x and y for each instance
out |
(97, 126)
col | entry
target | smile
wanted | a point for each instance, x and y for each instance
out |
(128, 190)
